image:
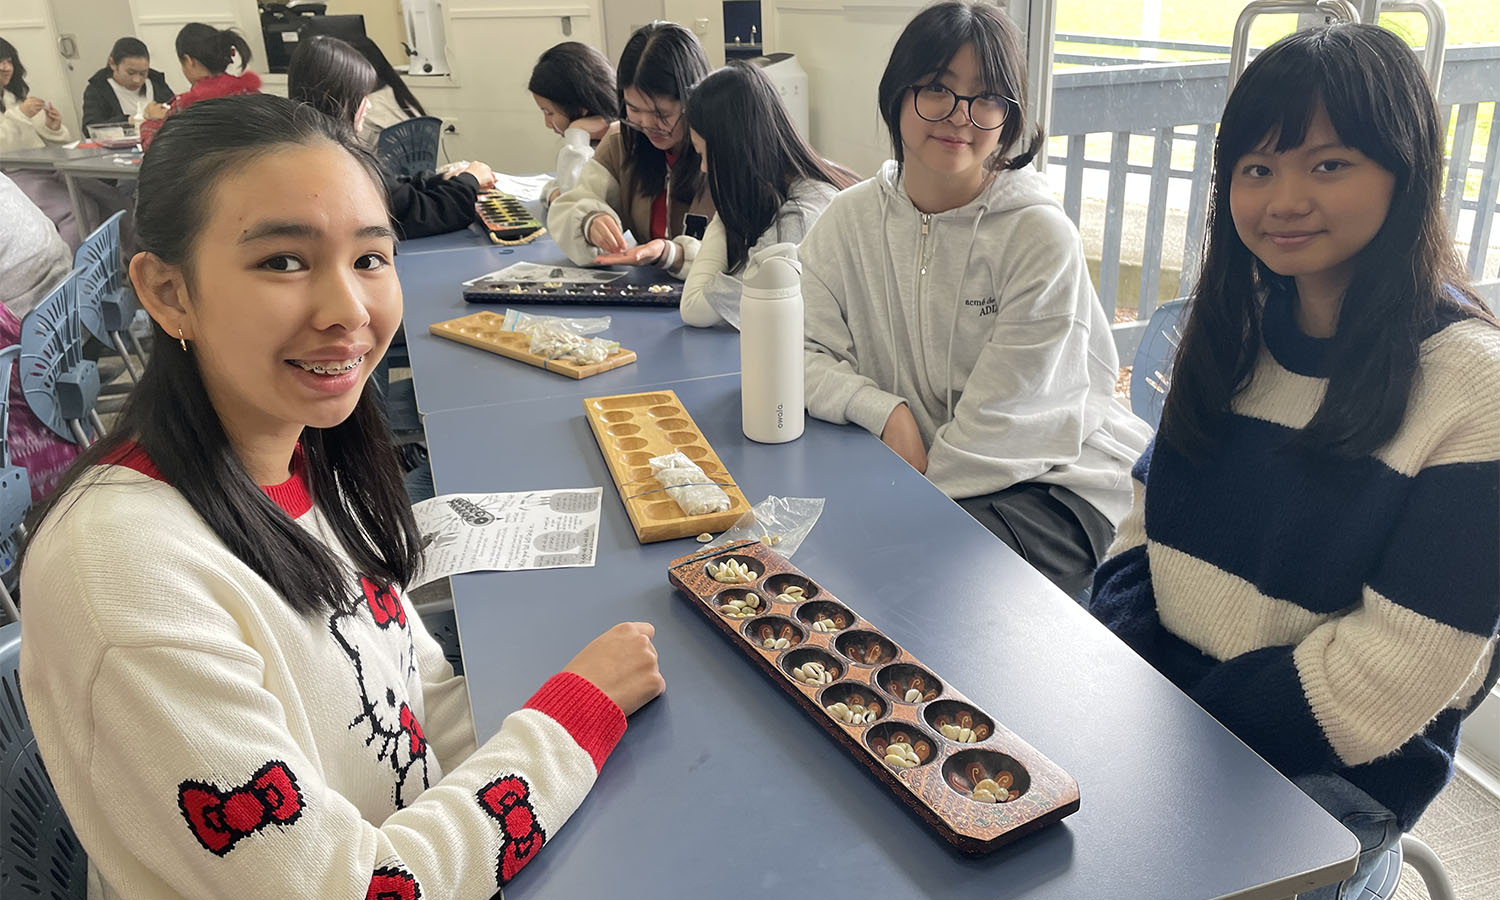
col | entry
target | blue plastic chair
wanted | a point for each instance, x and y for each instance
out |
(61, 387)
(40, 855)
(15, 488)
(1151, 373)
(410, 147)
(105, 299)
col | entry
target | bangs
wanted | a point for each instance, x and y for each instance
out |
(1273, 105)
(935, 52)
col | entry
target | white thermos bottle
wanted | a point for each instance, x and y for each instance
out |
(771, 347)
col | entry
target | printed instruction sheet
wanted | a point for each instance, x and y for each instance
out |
(504, 532)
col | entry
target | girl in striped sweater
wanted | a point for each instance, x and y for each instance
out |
(1314, 550)
(230, 688)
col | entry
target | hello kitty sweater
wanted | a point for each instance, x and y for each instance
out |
(208, 741)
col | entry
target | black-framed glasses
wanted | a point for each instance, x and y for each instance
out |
(663, 123)
(935, 102)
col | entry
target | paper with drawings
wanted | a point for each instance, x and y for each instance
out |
(523, 530)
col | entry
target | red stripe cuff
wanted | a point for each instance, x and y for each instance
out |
(591, 718)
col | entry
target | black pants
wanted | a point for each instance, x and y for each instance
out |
(1061, 534)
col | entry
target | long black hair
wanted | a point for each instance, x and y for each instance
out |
(578, 80)
(387, 76)
(661, 59)
(754, 153)
(351, 468)
(17, 84)
(929, 43)
(1379, 101)
(213, 48)
(330, 76)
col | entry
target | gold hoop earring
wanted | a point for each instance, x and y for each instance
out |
(182, 340)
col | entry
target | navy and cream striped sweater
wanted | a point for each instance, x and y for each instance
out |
(1338, 616)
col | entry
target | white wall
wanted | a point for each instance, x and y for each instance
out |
(95, 27)
(28, 24)
(705, 18)
(621, 17)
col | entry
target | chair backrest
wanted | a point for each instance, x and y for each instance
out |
(15, 485)
(39, 854)
(101, 273)
(1151, 373)
(52, 339)
(410, 147)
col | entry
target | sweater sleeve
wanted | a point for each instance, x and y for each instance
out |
(1123, 598)
(1421, 640)
(99, 105)
(429, 205)
(597, 193)
(835, 390)
(190, 763)
(1025, 407)
(707, 286)
(16, 132)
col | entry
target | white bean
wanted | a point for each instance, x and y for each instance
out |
(913, 695)
(983, 796)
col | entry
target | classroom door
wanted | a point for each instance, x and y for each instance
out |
(86, 30)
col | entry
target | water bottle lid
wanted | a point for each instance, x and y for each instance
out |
(775, 268)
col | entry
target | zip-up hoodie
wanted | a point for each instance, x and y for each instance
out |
(983, 321)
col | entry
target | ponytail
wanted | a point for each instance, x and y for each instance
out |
(213, 48)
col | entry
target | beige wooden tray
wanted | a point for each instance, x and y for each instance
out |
(482, 330)
(633, 428)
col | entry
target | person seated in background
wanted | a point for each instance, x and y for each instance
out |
(33, 260)
(331, 76)
(206, 53)
(29, 122)
(646, 179)
(768, 185)
(120, 91)
(574, 86)
(391, 101)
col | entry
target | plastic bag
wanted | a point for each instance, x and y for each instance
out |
(782, 523)
(557, 337)
(689, 485)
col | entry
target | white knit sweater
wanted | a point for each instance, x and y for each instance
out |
(208, 741)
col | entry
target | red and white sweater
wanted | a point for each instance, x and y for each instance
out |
(208, 741)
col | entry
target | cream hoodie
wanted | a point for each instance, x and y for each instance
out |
(981, 319)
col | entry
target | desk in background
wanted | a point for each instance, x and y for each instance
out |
(723, 788)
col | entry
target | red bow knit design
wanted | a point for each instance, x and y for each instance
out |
(508, 799)
(384, 604)
(391, 883)
(414, 731)
(219, 819)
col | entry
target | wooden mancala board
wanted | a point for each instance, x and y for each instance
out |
(482, 330)
(633, 428)
(867, 668)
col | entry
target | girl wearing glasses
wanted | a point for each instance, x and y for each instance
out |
(646, 178)
(768, 185)
(949, 308)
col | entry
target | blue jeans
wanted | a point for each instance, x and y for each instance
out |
(1373, 824)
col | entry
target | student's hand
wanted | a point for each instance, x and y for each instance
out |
(54, 118)
(32, 105)
(642, 255)
(605, 233)
(481, 172)
(155, 110)
(902, 435)
(622, 663)
(596, 126)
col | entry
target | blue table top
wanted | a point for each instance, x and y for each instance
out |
(723, 788)
(449, 375)
(471, 238)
